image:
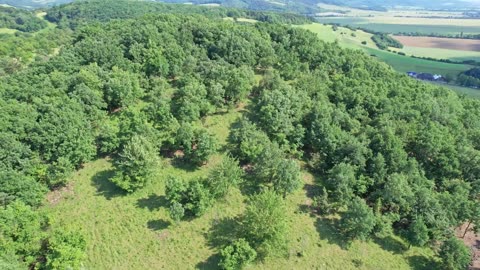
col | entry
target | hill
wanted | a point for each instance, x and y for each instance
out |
(185, 140)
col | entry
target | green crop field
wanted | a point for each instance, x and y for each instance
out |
(135, 232)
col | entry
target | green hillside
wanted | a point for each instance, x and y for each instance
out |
(179, 139)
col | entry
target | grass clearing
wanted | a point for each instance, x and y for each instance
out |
(134, 231)
(7, 31)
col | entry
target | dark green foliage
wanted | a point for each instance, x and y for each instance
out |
(455, 255)
(247, 141)
(66, 250)
(16, 185)
(264, 224)
(384, 41)
(197, 144)
(237, 255)
(194, 197)
(135, 164)
(358, 221)
(417, 233)
(177, 212)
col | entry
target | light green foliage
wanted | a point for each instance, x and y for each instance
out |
(454, 255)
(66, 250)
(358, 221)
(224, 176)
(135, 164)
(247, 141)
(237, 255)
(264, 224)
(21, 230)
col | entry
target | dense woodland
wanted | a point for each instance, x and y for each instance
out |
(393, 155)
(21, 20)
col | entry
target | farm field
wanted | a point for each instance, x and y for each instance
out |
(398, 62)
(135, 232)
(454, 55)
(440, 43)
(413, 25)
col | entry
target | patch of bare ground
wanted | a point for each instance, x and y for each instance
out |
(56, 196)
(472, 240)
(440, 43)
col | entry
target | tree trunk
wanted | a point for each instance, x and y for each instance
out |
(466, 230)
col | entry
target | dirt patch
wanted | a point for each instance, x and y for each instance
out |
(54, 197)
(471, 240)
(440, 43)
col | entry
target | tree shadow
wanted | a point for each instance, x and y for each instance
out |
(157, 225)
(153, 202)
(418, 262)
(101, 181)
(328, 230)
(391, 244)
(222, 232)
(211, 263)
(250, 185)
(182, 164)
(312, 190)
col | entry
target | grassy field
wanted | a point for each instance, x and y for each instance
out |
(134, 231)
(454, 55)
(7, 31)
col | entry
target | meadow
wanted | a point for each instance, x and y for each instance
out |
(135, 231)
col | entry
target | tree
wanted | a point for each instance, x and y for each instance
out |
(264, 223)
(288, 177)
(177, 211)
(122, 89)
(247, 141)
(197, 143)
(135, 164)
(224, 176)
(236, 255)
(358, 221)
(454, 255)
(417, 233)
(66, 250)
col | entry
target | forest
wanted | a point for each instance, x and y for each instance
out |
(24, 21)
(393, 156)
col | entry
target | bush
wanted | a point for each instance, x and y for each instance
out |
(455, 255)
(135, 164)
(237, 255)
(66, 250)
